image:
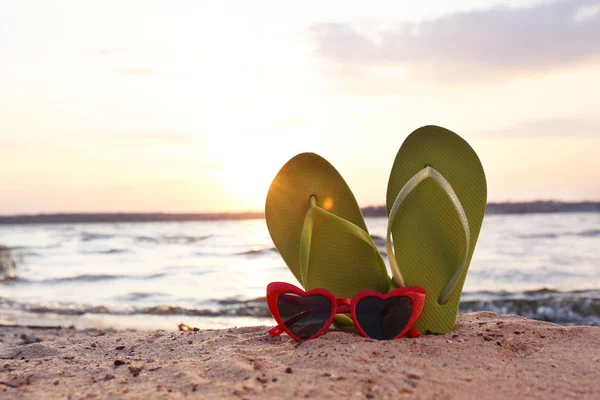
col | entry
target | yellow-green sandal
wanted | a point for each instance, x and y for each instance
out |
(318, 228)
(436, 201)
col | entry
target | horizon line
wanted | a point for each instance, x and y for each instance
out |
(529, 207)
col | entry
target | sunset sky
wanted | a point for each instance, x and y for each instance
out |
(193, 106)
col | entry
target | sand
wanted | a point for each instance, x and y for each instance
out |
(488, 356)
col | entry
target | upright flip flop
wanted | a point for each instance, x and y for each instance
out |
(318, 228)
(436, 201)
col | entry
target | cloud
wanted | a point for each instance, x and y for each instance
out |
(142, 72)
(175, 138)
(8, 145)
(468, 46)
(587, 12)
(547, 128)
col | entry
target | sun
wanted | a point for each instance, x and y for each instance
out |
(247, 182)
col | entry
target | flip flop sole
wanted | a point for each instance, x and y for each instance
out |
(338, 261)
(428, 236)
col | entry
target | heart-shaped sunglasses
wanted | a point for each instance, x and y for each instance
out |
(307, 315)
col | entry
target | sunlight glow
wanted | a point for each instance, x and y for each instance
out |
(328, 203)
(195, 107)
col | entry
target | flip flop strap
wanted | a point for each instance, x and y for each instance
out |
(416, 180)
(307, 230)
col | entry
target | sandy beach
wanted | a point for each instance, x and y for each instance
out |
(487, 356)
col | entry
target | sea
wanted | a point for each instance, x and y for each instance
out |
(213, 274)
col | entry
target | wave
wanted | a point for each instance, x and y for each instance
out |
(90, 236)
(85, 278)
(23, 251)
(82, 278)
(183, 239)
(146, 239)
(172, 239)
(555, 235)
(110, 251)
(566, 308)
(135, 296)
(257, 252)
(12, 248)
(251, 253)
(378, 240)
(590, 233)
(29, 250)
(540, 236)
(9, 278)
(250, 308)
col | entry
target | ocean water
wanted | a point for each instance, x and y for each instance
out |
(213, 274)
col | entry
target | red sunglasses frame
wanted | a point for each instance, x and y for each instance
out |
(343, 306)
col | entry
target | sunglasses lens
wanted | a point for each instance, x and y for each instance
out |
(304, 316)
(383, 319)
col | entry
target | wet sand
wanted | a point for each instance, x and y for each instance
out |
(487, 356)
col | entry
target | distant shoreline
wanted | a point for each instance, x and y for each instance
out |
(373, 211)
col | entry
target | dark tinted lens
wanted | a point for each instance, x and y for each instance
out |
(383, 319)
(304, 316)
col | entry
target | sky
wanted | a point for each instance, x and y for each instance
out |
(193, 106)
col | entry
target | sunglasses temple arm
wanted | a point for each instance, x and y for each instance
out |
(413, 333)
(275, 331)
(278, 330)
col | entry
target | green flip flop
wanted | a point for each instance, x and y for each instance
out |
(436, 201)
(318, 228)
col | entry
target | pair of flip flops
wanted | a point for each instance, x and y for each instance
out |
(436, 200)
